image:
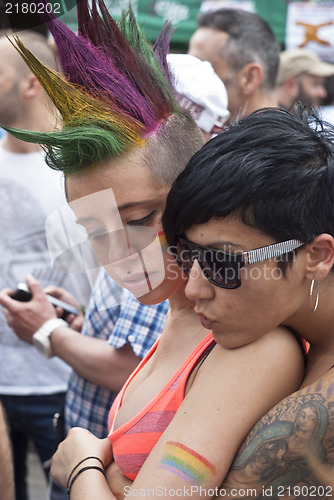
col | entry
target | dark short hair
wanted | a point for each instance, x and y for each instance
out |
(272, 170)
(250, 39)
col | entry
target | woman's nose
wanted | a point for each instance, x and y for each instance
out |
(198, 286)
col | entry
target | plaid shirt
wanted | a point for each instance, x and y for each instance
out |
(88, 405)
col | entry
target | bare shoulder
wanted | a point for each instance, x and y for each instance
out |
(290, 452)
(257, 375)
(276, 347)
(280, 338)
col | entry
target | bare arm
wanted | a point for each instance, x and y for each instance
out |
(231, 391)
(93, 358)
(117, 481)
(290, 452)
(6, 465)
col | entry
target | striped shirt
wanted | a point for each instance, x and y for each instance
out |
(133, 441)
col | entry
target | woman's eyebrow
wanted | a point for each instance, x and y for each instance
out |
(217, 244)
(131, 204)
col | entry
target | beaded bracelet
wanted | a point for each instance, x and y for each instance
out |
(88, 467)
(69, 482)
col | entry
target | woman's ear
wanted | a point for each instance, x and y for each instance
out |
(321, 257)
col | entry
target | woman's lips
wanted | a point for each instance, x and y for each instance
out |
(138, 282)
(206, 322)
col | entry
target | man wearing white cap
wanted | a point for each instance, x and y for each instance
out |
(301, 77)
(200, 90)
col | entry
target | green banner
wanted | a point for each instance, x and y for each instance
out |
(274, 12)
(152, 14)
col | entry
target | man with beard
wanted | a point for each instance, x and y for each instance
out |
(301, 77)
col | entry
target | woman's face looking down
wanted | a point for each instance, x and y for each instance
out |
(119, 203)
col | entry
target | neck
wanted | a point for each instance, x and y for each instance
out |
(37, 118)
(261, 99)
(319, 332)
(285, 101)
(182, 319)
(318, 329)
(180, 306)
(14, 145)
(252, 103)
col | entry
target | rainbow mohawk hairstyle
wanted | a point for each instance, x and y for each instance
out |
(115, 91)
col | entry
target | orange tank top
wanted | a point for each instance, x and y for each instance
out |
(133, 441)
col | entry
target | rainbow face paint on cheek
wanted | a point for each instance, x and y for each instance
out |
(186, 463)
(162, 240)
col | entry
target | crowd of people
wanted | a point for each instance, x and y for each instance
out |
(200, 358)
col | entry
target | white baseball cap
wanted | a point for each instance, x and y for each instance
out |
(200, 90)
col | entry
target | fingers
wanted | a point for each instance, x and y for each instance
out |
(62, 294)
(77, 322)
(25, 318)
(78, 445)
(34, 286)
(8, 316)
(55, 291)
(60, 312)
(5, 298)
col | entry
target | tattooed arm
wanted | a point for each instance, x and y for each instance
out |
(290, 452)
(196, 450)
(229, 393)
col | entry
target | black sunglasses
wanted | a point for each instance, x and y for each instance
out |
(223, 268)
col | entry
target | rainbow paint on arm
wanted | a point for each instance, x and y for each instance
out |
(186, 463)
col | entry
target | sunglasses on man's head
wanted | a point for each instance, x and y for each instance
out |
(223, 268)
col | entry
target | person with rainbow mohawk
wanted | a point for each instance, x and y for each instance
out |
(121, 143)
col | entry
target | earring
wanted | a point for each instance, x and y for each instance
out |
(314, 308)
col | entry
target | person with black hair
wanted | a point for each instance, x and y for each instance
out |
(244, 53)
(122, 142)
(251, 222)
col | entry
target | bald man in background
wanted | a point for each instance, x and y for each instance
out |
(32, 387)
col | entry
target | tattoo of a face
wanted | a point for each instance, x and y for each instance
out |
(290, 452)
